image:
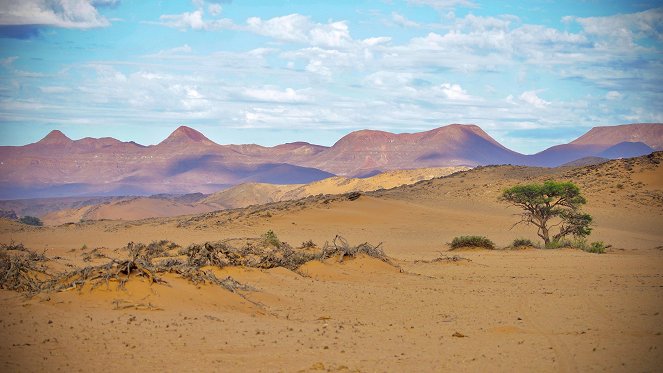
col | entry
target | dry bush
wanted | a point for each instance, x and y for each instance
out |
(116, 270)
(339, 247)
(21, 271)
(155, 249)
(13, 246)
(256, 253)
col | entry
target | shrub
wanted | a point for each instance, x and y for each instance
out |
(472, 241)
(270, 238)
(597, 247)
(562, 243)
(522, 242)
(31, 220)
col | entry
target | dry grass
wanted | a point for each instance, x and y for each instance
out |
(24, 271)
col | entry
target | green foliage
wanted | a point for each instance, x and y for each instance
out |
(31, 220)
(548, 205)
(522, 242)
(597, 247)
(270, 238)
(472, 241)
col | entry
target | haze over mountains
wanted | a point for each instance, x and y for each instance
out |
(187, 161)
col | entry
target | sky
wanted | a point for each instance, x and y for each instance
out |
(530, 73)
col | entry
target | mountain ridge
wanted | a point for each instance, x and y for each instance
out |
(187, 161)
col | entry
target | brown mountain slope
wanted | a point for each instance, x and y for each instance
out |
(256, 194)
(629, 140)
(648, 133)
(366, 152)
(131, 208)
(187, 161)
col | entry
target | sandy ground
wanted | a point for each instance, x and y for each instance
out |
(517, 310)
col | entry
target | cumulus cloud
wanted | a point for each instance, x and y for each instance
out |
(533, 99)
(55, 13)
(454, 92)
(196, 20)
(402, 21)
(300, 29)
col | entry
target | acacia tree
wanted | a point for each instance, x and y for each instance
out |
(550, 205)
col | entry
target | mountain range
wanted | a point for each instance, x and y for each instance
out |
(187, 161)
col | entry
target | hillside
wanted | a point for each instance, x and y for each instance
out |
(485, 308)
(243, 195)
(189, 162)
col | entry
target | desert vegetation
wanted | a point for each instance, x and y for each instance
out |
(551, 205)
(471, 241)
(522, 242)
(26, 271)
(31, 220)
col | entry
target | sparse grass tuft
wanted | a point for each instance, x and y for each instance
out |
(472, 241)
(522, 242)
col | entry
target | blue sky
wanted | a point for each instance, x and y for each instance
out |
(532, 74)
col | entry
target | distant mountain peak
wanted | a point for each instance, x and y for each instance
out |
(648, 133)
(55, 137)
(184, 135)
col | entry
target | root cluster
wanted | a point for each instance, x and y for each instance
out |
(25, 271)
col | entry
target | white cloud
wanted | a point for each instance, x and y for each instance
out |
(533, 99)
(300, 29)
(613, 95)
(272, 94)
(454, 92)
(105, 3)
(195, 21)
(444, 4)
(8, 61)
(56, 13)
(215, 9)
(624, 26)
(172, 52)
(402, 21)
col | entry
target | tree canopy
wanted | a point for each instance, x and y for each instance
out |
(551, 205)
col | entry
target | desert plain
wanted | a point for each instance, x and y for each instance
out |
(423, 308)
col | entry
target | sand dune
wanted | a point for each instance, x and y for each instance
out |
(521, 310)
(133, 208)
